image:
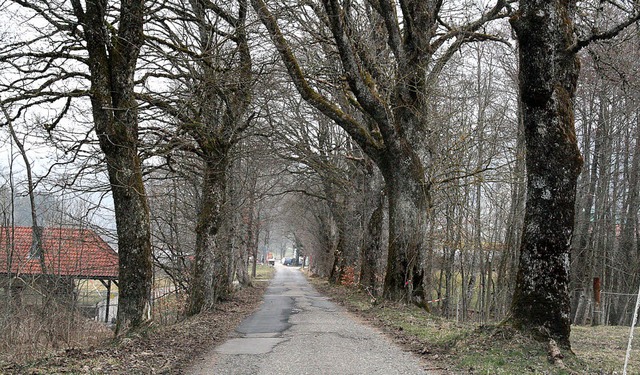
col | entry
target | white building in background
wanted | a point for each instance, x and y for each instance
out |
(101, 310)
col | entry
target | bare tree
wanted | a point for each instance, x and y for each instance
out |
(97, 45)
(604, 245)
(393, 109)
(548, 75)
(37, 251)
(112, 64)
(209, 99)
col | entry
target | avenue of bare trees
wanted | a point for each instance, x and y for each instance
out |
(480, 159)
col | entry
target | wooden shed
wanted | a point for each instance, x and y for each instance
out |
(65, 254)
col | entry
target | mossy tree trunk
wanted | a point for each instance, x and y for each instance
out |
(409, 201)
(112, 63)
(224, 99)
(548, 74)
(211, 109)
(372, 249)
(210, 281)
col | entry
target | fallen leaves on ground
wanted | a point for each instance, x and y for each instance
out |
(155, 350)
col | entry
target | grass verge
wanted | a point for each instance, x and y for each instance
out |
(264, 272)
(466, 348)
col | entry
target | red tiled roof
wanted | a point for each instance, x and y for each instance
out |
(67, 252)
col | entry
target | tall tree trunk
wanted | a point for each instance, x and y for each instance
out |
(236, 244)
(372, 249)
(507, 268)
(408, 218)
(548, 75)
(581, 258)
(337, 210)
(112, 62)
(323, 261)
(223, 93)
(628, 244)
(134, 236)
(345, 254)
(210, 281)
(250, 221)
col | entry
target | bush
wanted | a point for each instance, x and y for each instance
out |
(29, 331)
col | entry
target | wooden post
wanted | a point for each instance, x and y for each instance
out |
(106, 315)
(596, 299)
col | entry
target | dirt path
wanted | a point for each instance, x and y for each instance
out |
(299, 331)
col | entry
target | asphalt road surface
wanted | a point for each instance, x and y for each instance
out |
(298, 331)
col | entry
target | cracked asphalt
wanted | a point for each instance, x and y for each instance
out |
(299, 331)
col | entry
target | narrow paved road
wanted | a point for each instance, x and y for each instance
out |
(298, 331)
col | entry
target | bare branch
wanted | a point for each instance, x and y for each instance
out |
(360, 134)
(605, 35)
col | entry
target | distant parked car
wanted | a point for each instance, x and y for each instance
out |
(287, 261)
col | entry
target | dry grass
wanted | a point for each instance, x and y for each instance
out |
(36, 327)
(263, 272)
(157, 349)
(462, 348)
(28, 332)
(603, 348)
(55, 341)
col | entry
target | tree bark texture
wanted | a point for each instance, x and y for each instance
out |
(112, 62)
(210, 281)
(322, 263)
(341, 206)
(372, 249)
(408, 218)
(547, 82)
